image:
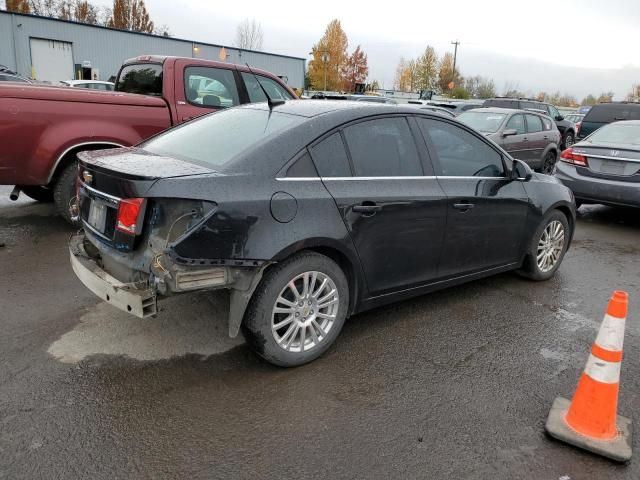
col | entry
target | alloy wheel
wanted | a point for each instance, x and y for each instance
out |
(550, 246)
(568, 141)
(304, 312)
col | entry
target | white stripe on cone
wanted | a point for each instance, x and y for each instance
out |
(603, 371)
(611, 334)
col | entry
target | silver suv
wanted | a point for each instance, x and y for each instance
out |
(527, 136)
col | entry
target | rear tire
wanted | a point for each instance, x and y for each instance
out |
(547, 247)
(37, 193)
(290, 329)
(549, 163)
(64, 190)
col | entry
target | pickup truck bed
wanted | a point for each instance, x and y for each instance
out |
(43, 128)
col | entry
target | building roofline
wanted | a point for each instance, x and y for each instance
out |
(150, 35)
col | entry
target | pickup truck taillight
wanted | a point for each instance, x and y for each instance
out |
(128, 219)
(569, 157)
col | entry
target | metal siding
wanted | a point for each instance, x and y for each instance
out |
(6, 43)
(106, 49)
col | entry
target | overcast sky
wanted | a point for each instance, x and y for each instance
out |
(538, 45)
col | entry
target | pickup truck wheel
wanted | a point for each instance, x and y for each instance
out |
(39, 194)
(64, 190)
(298, 310)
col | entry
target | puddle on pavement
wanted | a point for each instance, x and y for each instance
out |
(188, 324)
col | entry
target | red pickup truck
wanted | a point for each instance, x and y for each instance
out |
(42, 128)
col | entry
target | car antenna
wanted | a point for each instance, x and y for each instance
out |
(272, 103)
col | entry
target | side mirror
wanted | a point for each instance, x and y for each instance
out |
(559, 118)
(521, 171)
(509, 132)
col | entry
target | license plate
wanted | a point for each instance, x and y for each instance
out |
(612, 166)
(97, 216)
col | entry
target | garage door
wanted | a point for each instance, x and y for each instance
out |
(51, 60)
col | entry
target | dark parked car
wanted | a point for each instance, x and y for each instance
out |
(567, 129)
(526, 135)
(456, 107)
(310, 213)
(432, 108)
(604, 113)
(605, 166)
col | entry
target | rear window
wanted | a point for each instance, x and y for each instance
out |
(501, 102)
(216, 139)
(616, 133)
(486, 122)
(144, 79)
(607, 113)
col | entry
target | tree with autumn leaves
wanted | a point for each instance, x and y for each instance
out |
(125, 14)
(332, 67)
(130, 15)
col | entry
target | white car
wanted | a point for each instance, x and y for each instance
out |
(91, 84)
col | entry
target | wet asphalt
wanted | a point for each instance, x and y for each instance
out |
(452, 385)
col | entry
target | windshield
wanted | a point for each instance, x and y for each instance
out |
(616, 133)
(486, 122)
(216, 139)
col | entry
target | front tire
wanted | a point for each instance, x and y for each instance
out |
(298, 310)
(64, 190)
(547, 247)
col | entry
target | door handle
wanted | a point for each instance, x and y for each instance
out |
(367, 209)
(525, 139)
(463, 207)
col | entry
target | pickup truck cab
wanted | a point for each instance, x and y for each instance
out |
(43, 128)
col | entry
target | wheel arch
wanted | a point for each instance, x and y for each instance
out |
(70, 153)
(332, 249)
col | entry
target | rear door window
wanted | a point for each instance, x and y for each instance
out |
(144, 79)
(210, 87)
(383, 148)
(534, 124)
(330, 157)
(273, 88)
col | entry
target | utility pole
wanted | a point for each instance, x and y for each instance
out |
(455, 56)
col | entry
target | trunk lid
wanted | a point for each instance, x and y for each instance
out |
(107, 179)
(610, 162)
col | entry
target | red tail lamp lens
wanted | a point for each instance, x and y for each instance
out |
(128, 213)
(570, 157)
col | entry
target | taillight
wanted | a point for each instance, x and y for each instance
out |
(578, 125)
(570, 157)
(128, 214)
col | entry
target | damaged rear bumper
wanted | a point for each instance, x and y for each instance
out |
(141, 302)
(164, 278)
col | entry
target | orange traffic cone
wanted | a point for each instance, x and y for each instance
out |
(590, 420)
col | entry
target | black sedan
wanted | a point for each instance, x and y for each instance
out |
(605, 166)
(309, 212)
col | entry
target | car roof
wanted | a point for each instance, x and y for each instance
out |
(498, 110)
(313, 108)
(625, 122)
